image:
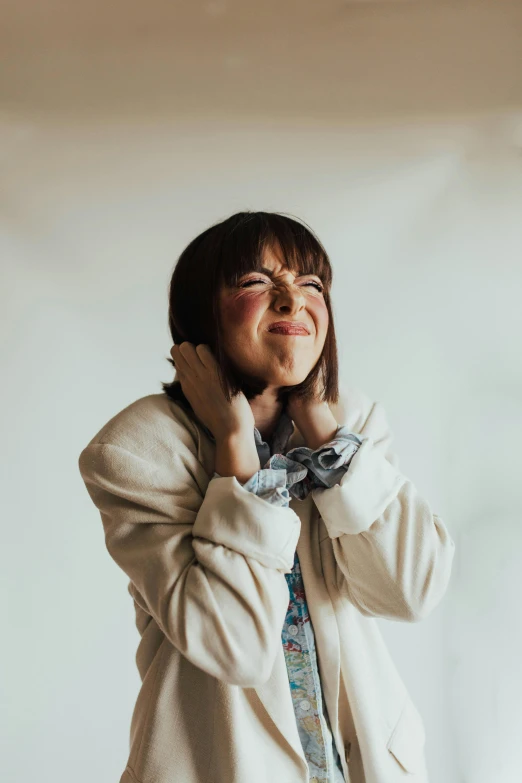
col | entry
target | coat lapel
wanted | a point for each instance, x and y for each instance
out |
(277, 700)
(275, 694)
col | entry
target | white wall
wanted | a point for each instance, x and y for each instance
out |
(416, 191)
(422, 224)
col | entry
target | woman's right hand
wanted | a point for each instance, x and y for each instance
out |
(198, 373)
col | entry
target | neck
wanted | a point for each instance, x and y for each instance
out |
(266, 410)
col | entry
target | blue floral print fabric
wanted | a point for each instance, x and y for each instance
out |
(300, 470)
(313, 723)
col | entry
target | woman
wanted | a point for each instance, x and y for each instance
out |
(264, 524)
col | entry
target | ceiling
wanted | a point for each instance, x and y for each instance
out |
(311, 59)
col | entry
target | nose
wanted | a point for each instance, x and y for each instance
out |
(289, 299)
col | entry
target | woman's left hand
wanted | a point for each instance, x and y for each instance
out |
(314, 420)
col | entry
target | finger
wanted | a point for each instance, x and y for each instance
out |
(206, 356)
(180, 361)
(191, 356)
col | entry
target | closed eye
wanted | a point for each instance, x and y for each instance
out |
(316, 285)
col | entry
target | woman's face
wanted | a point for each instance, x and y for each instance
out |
(260, 299)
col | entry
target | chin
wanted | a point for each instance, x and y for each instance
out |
(274, 374)
(286, 379)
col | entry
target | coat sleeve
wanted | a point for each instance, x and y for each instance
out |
(209, 566)
(394, 554)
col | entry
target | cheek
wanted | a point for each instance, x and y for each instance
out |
(320, 315)
(241, 310)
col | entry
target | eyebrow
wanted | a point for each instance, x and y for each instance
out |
(270, 272)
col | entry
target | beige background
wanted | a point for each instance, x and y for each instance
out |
(395, 130)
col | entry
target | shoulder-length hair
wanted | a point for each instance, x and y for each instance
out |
(221, 255)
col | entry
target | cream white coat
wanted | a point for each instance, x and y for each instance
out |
(206, 561)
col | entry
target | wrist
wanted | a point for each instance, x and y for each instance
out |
(236, 455)
(318, 427)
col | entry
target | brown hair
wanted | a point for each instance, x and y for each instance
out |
(220, 256)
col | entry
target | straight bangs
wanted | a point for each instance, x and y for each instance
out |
(244, 245)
